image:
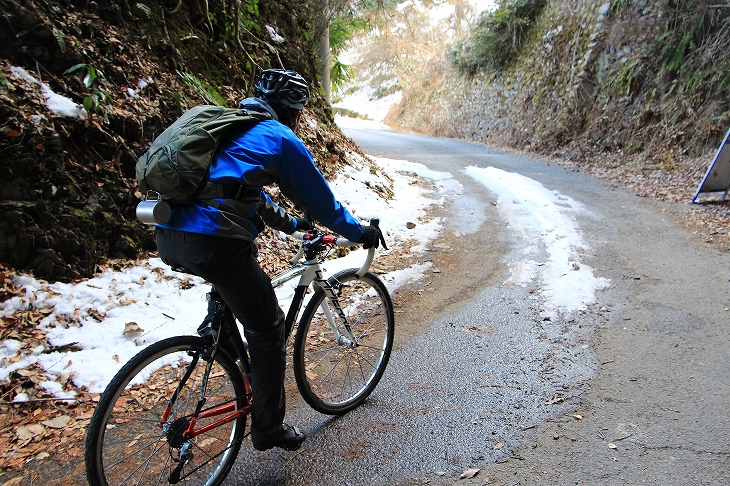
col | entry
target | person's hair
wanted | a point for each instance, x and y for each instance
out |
(285, 114)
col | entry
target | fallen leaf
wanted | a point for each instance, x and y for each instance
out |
(99, 316)
(498, 446)
(14, 481)
(27, 432)
(75, 452)
(469, 473)
(557, 399)
(58, 422)
(132, 327)
(27, 373)
(16, 464)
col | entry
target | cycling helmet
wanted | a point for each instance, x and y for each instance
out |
(287, 88)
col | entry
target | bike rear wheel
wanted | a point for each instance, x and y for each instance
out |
(129, 443)
(335, 375)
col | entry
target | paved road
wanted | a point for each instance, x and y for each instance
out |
(633, 390)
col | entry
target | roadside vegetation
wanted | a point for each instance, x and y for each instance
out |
(84, 89)
(495, 41)
(631, 91)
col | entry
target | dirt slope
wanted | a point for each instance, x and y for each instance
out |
(67, 190)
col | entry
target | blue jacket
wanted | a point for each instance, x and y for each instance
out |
(259, 155)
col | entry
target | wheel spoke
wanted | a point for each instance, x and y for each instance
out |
(143, 464)
(335, 377)
(126, 444)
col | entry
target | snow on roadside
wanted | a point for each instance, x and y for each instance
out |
(544, 222)
(96, 325)
(104, 321)
(59, 105)
(364, 103)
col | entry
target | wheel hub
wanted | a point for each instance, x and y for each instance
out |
(175, 432)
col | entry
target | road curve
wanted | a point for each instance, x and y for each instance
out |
(631, 389)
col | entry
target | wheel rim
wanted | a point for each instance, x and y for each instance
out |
(338, 375)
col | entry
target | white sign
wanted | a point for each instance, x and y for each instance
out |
(717, 180)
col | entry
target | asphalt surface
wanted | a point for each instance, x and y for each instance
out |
(633, 390)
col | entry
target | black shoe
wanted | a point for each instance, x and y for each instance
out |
(289, 438)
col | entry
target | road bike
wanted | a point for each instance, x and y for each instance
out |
(177, 411)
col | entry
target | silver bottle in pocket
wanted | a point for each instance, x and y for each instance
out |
(154, 211)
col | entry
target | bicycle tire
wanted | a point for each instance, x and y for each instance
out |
(125, 443)
(336, 378)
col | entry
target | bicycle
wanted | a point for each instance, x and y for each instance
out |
(176, 412)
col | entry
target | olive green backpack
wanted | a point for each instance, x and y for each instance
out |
(177, 164)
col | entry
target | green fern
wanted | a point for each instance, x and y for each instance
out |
(145, 10)
(98, 101)
(206, 91)
(498, 37)
(341, 31)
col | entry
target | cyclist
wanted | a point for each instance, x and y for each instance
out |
(218, 244)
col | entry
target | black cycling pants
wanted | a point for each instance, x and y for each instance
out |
(231, 266)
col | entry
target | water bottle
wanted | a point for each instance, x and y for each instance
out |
(154, 211)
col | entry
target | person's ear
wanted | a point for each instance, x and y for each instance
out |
(296, 118)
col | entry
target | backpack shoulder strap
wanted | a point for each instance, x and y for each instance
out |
(229, 118)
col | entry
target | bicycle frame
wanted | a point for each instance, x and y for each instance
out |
(234, 413)
(310, 273)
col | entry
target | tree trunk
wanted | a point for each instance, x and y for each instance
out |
(323, 52)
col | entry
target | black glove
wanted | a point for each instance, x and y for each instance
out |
(370, 237)
(303, 224)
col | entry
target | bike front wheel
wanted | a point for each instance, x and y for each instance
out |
(139, 431)
(337, 370)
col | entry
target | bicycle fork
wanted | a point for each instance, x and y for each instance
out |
(333, 293)
(171, 429)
